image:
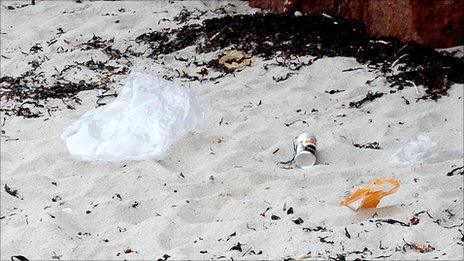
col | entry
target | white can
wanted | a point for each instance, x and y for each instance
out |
(305, 150)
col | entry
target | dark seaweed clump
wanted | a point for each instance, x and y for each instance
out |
(30, 91)
(266, 35)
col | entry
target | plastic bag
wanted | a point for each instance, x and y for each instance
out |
(235, 60)
(414, 152)
(146, 118)
(370, 196)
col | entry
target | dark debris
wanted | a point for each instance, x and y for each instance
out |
(456, 171)
(266, 35)
(369, 97)
(371, 145)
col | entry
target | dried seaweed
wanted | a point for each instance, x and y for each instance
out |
(324, 240)
(406, 101)
(371, 145)
(295, 121)
(369, 97)
(11, 7)
(458, 171)
(30, 92)
(36, 48)
(185, 15)
(231, 235)
(347, 234)
(334, 91)
(290, 211)
(414, 221)
(11, 192)
(267, 35)
(438, 221)
(339, 257)
(316, 229)
(282, 78)
(298, 221)
(253, 252)
(264, 213)
(56, 198)
(237, 247)
(164, 258)
(352, 69)
(379, 222)
(251, 228)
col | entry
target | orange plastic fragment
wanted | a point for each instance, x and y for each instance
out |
(369, 196)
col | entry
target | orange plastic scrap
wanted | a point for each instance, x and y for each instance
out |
(370, 197)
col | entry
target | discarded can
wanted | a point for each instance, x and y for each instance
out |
(305, 150)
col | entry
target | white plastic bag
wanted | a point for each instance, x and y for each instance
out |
(147, 117)
(414, 152)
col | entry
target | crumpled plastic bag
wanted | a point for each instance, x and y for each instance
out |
(146, 118)
(235, 60)
(414, 152)
(370, 196)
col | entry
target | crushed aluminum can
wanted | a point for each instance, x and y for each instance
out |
(305, 150)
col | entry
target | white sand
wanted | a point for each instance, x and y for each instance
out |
(227, 184)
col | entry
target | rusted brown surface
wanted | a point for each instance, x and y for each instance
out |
(436, 23)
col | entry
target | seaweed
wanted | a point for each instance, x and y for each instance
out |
(282, 78)
(31, 91)
(237, 247)
(347, 234)
(36, 48)
(270, 35)
(264, 213)
(185, 15)
(334, 91)
(369, 97)
(56, 198)
(316, 229)
(414, 221)
(371, 145)
(11, 192)
(290, 211)
(390, 221)
(458, 171)
(323, 240)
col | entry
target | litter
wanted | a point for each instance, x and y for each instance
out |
(422, 248)
(304, 156)
(414, 152)
(147, 117)
(69, 211)
(305, 150)
(369, 196)
(235, 60)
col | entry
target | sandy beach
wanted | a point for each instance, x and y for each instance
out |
(220, 193)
